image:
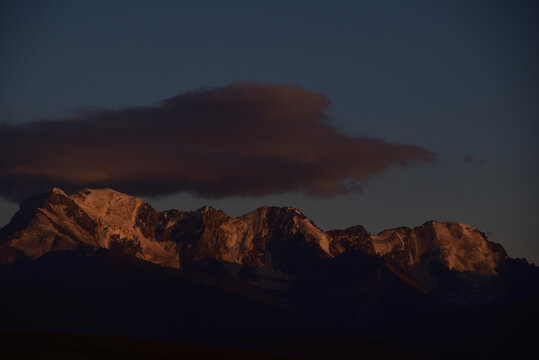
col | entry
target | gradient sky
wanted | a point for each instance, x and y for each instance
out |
(459, 78)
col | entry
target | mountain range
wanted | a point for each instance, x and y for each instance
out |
(96, 261)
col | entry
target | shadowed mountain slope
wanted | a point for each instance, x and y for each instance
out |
(104, 262)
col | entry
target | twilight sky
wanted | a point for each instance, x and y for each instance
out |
(380, 113)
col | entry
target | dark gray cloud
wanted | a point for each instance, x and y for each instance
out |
(472, 160)
(241, 139)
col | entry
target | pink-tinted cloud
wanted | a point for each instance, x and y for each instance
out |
(241, 139)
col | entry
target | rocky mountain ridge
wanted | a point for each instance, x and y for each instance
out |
(277, 256)
(279, 239)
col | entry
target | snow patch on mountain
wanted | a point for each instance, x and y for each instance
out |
(459, 247)
(115, 211)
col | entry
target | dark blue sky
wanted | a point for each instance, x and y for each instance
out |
(459, 78)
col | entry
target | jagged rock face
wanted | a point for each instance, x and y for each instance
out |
(459, 247)
(49, 223)
(280, 240)
(100, 218)
(355, 237)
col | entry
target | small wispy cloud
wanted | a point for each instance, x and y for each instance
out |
(471, 160)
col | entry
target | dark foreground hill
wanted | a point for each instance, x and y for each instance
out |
(46, 303)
